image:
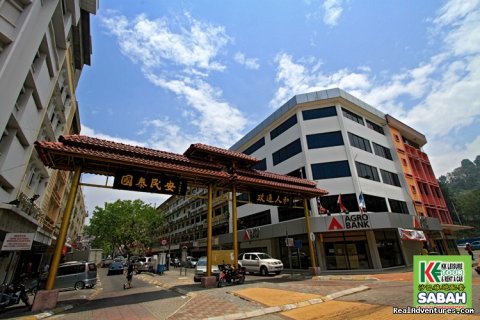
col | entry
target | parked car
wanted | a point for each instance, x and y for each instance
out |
(475, 245)
(106, 262)
(76, 275)
(201, 269)
(192, 262)
(260, 262)
(116, 267)
(144, 264)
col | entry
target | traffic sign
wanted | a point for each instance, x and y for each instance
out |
(163, 242)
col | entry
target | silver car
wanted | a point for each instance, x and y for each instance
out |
(201, 269)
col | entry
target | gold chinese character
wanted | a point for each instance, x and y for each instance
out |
(278, 200)
(156, 184)
(286, 200)
(270, 198)
(260, 197)
(170, 186)
(141, 183)
(127, 180)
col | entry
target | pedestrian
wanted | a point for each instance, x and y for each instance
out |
(477, 268)
(128, 284)
(469, 249)
(424, 251)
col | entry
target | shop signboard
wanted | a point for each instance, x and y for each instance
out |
(272, 198)
(348, 222)
(154, 183)
(18, 241)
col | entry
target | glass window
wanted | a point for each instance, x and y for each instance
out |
(258, 219)
(254, 147)
(367, 172)
(262, 165)
(375, 204)
(349, 200)
(390, 178)
(329, 170)
(352, 116)
(375, 127)
(319, 113)
(287, 124)
(382, 151)
(359, 142)
(324, 140)
(398, 206)
(388, 248)
(287, 152)
(287, 213)
(346, 251)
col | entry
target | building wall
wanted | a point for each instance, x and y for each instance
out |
(40, 64)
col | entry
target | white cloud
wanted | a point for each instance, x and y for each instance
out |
(249, 63)
(333, 11)
(87, 131)
(438, 97)
(179, 58)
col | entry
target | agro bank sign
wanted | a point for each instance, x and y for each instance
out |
(442, 281)
(348, 222)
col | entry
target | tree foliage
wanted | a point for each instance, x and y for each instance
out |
(124, 225)
(461, 189)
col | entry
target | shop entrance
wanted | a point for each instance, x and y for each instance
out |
(347, 251)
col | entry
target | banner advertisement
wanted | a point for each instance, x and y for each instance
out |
(442, 282)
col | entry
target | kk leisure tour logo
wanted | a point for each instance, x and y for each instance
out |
(442, 281)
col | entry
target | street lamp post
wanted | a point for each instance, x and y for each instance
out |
(169, 244)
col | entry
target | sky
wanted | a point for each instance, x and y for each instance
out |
(166, 74)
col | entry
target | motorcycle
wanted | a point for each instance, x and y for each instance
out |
(12, 294)
(230, 275)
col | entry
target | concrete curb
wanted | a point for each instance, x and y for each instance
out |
(348, 278)
(287, 307)
(47, 314)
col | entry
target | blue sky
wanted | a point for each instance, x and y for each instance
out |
(166, 74)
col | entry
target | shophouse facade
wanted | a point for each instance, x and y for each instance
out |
(43, 48)
(354, 151)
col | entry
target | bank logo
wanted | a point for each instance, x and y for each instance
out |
(442, 281)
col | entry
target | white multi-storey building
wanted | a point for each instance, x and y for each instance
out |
(360, 156)
(43, 48)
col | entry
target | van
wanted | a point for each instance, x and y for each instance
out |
(144, 264)
(76, 275)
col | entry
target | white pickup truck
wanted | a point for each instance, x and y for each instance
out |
(260, 262)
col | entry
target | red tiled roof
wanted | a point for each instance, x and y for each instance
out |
(202, 148)
(106, 157)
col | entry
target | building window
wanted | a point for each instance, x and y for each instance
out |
(262, 165)
(287, 213)
(414, 190)
(404, 162)
(255, 220)
(254, 147)
(375, 204)
(359, 142)
(382, 151)
(349, 200)
(287, 152)
(324, 140)
(397, 139)
(367, 172)
(330, 170)
(398, 206)
(287, 124)
(352, 116)
(319, 113)
(374, 127)
(390, 178)
(388, 248)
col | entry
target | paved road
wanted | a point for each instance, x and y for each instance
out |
(176, 297)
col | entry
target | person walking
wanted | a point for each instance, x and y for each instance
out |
(128, 284)
(469, 249)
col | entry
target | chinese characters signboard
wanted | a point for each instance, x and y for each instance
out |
(155, 183)
(442, 281)
(271, 198)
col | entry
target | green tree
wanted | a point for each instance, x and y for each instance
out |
(130, 225)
